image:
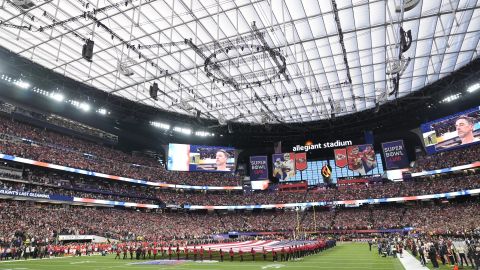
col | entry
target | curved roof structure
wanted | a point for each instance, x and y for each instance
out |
(272, 61)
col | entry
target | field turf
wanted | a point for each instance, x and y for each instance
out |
(344, 256)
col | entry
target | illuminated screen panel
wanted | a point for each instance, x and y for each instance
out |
(453, 131)
(313, 172)
(186, 157)
(361, 158)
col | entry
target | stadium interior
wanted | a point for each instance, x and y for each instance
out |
(339, 134)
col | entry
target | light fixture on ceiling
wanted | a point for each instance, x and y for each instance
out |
(24, 4)
(451, 98)
(123, 67)
(160, 125)
(473, 88)
(102, 111)
(57, 97)
(222, 120)
(22, 84)
(84, 106)
(407, 5)
(154, 91)
(185, 105)
(202, 133)
(185, 131)
(87, 50)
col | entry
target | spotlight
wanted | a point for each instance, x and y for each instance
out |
(451, 98)
(84, 106)
(57, 97)
(473, 88)
(22, 84)
(102, 111)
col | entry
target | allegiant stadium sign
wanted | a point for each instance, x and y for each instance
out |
(310, 146)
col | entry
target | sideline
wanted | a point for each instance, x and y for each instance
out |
(27, 260)
(410, 262)
(50, 258)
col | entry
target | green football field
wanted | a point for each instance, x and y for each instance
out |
(344, 256)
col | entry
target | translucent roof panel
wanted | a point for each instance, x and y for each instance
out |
(249, 61)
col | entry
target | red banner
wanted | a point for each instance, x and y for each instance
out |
(340, 157)
(301, 161)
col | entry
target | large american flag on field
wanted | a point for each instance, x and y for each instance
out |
(257, 245)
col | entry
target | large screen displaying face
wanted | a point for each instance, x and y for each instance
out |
(453, 131)
(186, 157)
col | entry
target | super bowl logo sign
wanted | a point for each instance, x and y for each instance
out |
(258, 168)
(395, 155)
(326, 171)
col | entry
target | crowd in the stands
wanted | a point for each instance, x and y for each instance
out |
(45, 222)
(41, 180)
(52, 190)
(414, 187)
(22, 140)
(453, 218)
(417, 186)
(48, 221)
